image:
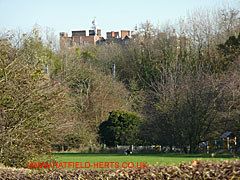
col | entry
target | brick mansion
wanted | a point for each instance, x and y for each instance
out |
(80, 38)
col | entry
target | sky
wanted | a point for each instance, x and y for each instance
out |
(68, 15)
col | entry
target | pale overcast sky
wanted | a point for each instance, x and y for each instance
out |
(68, 15)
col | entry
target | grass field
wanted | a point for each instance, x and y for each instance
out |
(162, 159)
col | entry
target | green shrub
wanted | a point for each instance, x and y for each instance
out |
(121, 128)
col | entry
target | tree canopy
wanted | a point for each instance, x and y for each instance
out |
(121, 128)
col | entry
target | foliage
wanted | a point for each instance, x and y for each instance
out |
(231, 46)
(230, 50)
(88, 55)
(28, 101)
(178, 77)
(186, 114)
(194, 170)
(91, 95)
(121, 128)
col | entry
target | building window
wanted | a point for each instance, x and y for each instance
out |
(77, 43)
(86, 43)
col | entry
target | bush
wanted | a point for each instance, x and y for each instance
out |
(28, 101)
(195, 170)
(121, 128)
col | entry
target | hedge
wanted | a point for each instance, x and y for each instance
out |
(194, 170)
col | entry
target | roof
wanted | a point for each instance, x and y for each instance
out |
(226, 134)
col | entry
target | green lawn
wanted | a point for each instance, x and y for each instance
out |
(162, 159)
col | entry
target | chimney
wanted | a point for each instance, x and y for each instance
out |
(124, 33)
(99, 32)
(63, 34)
(79, 33)
(91, 33)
